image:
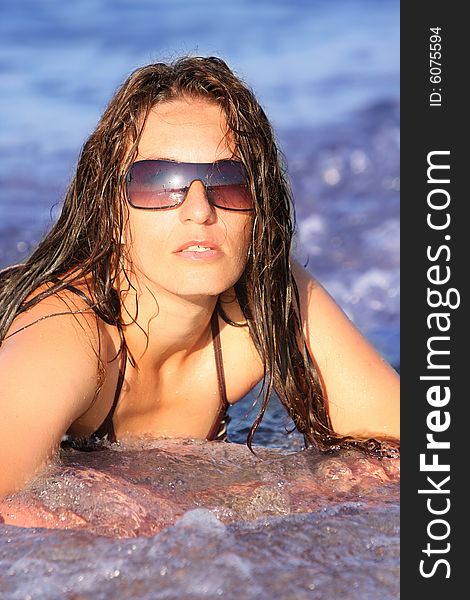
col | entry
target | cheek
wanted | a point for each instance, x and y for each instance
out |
(241, 243)
(237, 224)
(246, 235)
(144, 237)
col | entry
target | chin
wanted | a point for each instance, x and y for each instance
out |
(194, 281)
(201, 290)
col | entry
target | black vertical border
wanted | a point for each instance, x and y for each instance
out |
(424, 129)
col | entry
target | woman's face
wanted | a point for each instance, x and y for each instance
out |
(187, 131)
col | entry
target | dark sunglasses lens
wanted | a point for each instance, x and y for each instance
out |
(154, 184)
(163, 184)
(232, 197)
(228, 186)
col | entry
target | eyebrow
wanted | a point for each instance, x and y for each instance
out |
(233, 158)
(153, 157)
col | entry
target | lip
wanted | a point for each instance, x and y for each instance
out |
(206, 243)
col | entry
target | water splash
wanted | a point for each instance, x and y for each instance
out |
(187, 518)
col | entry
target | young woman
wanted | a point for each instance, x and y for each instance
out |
(166, 289)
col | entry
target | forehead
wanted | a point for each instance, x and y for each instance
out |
(190, 130)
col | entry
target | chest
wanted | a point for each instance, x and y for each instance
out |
(178, 399)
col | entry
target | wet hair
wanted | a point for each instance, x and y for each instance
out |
(85, 242)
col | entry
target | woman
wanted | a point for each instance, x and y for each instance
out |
(173, 250)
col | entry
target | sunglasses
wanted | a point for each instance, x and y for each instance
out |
(160, 184)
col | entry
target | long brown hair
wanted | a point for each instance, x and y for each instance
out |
(85, 241)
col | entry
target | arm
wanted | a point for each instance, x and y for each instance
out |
(362, 389)
(48, 375)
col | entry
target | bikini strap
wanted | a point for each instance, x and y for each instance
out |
(218, 358)
(85, 298)
(107, 427)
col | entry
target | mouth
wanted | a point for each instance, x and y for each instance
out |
(196, 248)
(198, 245)
(199, 252)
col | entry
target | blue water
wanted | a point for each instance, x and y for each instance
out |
(203, 520)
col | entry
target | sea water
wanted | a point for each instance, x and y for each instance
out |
(197, 519)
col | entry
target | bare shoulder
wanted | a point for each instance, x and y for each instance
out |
(62, 321)
(362, 389)
(49, 374)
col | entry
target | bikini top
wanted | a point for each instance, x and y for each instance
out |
(218, 431)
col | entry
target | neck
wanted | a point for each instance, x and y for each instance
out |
(177, 326)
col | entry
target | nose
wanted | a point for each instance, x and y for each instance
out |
(196, 206)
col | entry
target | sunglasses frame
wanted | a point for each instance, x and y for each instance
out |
(204, 182)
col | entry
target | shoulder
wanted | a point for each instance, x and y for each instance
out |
(61, 330)
(49, 370)
(59, 314)
(361, 388)
(317, 307)
(320, 314)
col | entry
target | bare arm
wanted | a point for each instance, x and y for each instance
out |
(362, 388)
(48, 375)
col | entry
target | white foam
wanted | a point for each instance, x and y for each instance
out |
(201, 518)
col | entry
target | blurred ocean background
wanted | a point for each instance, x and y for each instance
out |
(326, 73)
